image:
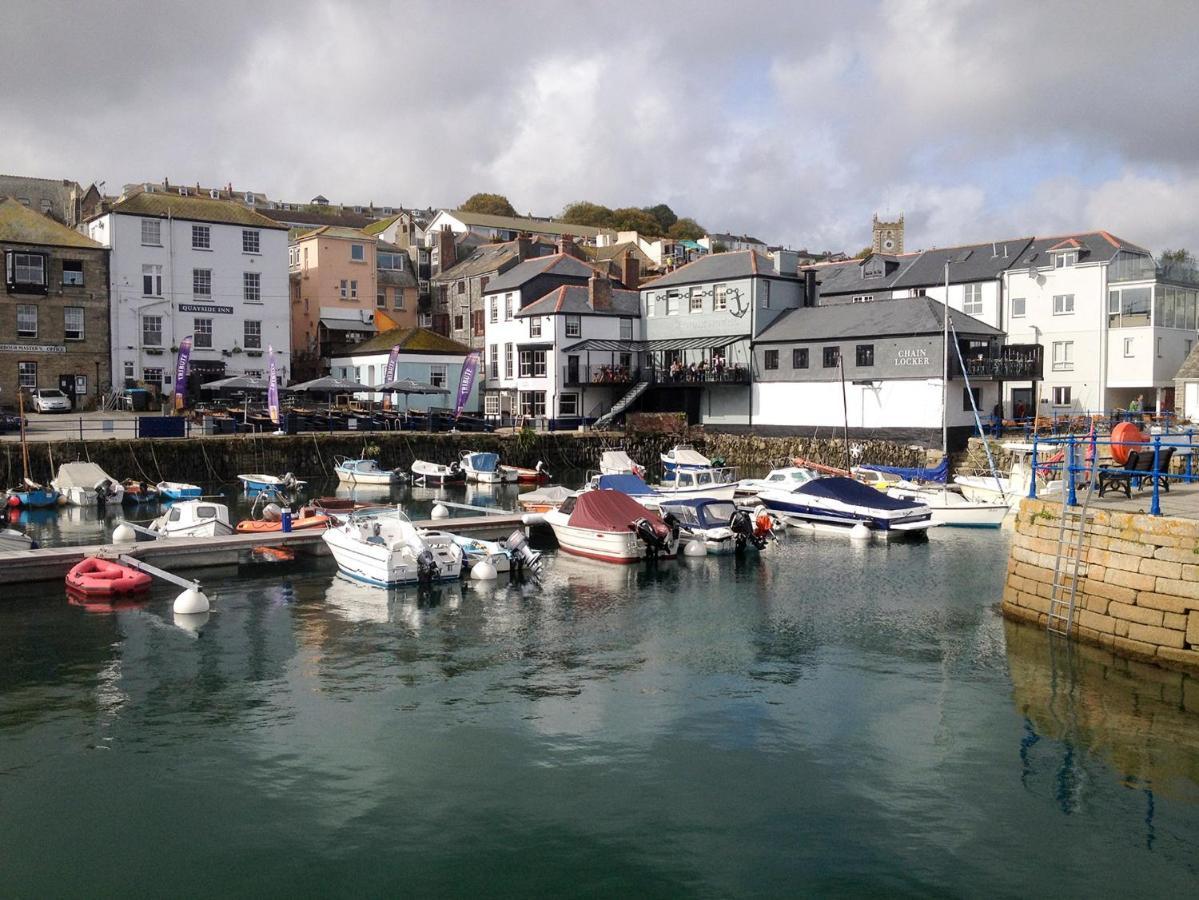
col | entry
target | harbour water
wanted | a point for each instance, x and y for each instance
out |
(826, 719)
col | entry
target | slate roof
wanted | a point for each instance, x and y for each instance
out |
(560, 264)
(411, 340)
(846, 277)
(882, 318)
(192, 209)
(512, 223)
(482, 261)
(972, 262)
(21, 225)
(304, 217)
(575, 299)
(336, 231)
(1189, 370)
(1092, 246)
(720, 267)
(56, 190)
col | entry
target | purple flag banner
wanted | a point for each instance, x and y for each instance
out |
(391, 364)
(470, 368)
(185, 354)
(272, 390)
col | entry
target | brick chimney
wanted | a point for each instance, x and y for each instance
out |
(630, 271)
(447, 249)
(567, 246)
(524, 246)
(599, 291)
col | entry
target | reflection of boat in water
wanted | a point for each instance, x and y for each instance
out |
(355, 601)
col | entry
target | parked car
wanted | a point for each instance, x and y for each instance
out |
(50, 400)
(9, 420)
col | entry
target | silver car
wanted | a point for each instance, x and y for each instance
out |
(50, 400)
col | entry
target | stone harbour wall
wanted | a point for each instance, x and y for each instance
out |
(1138, 592)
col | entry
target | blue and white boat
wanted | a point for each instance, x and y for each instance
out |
(839, 504)
(718, 524)
(179, 490)
(258, 483)
(682, 456)
(35, 497)
(627, 483)
(485, 468)
(365, 471)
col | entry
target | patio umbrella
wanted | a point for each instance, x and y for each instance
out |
(238, 383)
(408, 386)
(331, 385)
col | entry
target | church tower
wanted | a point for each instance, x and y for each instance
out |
(887, 236)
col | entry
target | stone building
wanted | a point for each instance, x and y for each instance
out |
(886, 237)
(54, 330)
(63, 200)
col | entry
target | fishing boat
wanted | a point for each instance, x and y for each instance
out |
(138, 492)
(429, 473)
(950, 507)
(287, 484)
(96, 578)
(611, 526)
(11, 539)
(788, 477)
(193, 518)
(839, 503)
(365, 471)
(380, 546)
(86, 484)
(178, 490)
(617, 462)
(718, 524)
(544, 499)
(682, 457)
(713, 483)
(485, 468)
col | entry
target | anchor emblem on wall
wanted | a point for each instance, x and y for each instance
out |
(736, 301)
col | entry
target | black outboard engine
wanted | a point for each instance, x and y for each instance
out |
(655, 536)
(741, 523)
(523, 557)
(672, 522)
(426, 567)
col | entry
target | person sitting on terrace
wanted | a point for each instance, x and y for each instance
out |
(676, 370)
(701, 371)
(691, 373)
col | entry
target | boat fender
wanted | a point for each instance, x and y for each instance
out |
(272, 512)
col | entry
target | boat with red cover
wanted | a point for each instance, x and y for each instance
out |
(100, 578)
(613, 527)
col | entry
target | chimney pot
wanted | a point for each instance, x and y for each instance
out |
(630, 271)
(599, 290)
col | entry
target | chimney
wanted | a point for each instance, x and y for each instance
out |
(566, 245)
(447, 249)
(166, 185)
(786, 262)
(599, 291)
(810, 288)
(630, 271)
(524, 246)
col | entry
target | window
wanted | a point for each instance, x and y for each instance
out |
(26, 320)
(201, 237)
(771, 359)
(437, 374)
(381, 299)
(532, 363)
(574, 326)
(152, 375)
(344, 289)
(697, 300)
(1128, 348)
(972, 299)
(1189, 343)
(250, 241)
(72, 323)
(626, 329)
(720, 300)
(1018, 307)
(1063, 356)
(128, 371)
(832, 355)
(1061, 396)
(1063, 304)
(151, 332)
(202, 331)
(971, 398)
(72, 273)
(202, 283)
(152, 281)
(1061, 260)
(672, 303)
(26, 270)
(863, 298)
(459, 322)
(1159, 348)
(532, 403)
(765, 295)
(507, 307)
(151, 233)
(864, 355)
(358, 252)
(251, 287)
(353, 289)
(493, 310)
(494, 355)
(507, 360)
(568, 405)
(491, 404)
(252, 336)
(398, 302)
(535, 326)
(799, 358)
(461, 287)
(27, 375)
(80, 385)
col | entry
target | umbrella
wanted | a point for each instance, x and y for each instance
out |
(408, 386)
(331, 385)
(238, 383)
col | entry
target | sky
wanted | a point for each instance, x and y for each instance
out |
(794, 122)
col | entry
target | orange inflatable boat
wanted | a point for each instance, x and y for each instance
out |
(100, 578)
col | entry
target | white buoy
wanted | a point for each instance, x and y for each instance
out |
(191, 622)
(191, 602)
(483, 570)
(859, 532)
(695, 548)
(124, 534)
(440, 512)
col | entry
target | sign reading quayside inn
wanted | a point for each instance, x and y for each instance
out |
(208, 308)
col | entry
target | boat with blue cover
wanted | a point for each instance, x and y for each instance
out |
(682, 456)
(485, 468)
(840, 503)
(718, 524)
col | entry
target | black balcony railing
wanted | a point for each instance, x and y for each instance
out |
(1014, 362)
(618, 375)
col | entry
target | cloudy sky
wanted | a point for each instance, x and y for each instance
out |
(791, 121)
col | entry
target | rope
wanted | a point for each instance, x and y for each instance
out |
(211, 472)
(157, 467)
(319, 457)
(137, 463)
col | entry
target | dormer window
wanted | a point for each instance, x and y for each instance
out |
(1065, 258)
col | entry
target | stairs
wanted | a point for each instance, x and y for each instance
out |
(1068, 565)
(620, 406)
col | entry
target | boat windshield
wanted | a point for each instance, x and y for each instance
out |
(703, 477)
(205, 512)
(719, 513)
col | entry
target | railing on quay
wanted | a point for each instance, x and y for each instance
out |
(1073, 421)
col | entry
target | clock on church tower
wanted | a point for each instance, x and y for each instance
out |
(887, 236)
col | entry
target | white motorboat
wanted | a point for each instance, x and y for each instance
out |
(840, 503)
(365, 471)
(787, 478)
(193, 518)
(611, 526)
(718, 524)
(86, 484)
(259, 483)
(485, 468)
(511, 555)
(951, 507)
(683, 456)
(617, 462)
(380, 546)
(714, 484)
(1012, 488)
(11, 539)
(428, 473)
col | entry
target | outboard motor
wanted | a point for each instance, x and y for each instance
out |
(426, 567)
(290, 482)
(741, 523)
(655, 535)
(540, 469)
(523, 556)
(672, 522)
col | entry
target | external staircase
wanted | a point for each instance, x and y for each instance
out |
(621, 405)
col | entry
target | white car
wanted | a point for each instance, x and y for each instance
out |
(50, 400)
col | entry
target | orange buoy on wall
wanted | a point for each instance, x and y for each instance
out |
(1125, 438)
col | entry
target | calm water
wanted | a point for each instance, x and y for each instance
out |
(827, 719)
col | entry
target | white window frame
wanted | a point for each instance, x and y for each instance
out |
(28, 312)
(532, 364)
(507, 307)
(534, 326)
(862, 298)
(1064, 258)
(251, 241)
(1063, 356)
(198, 330)
(532, 404)
(202, 279)
(201, 237)
(563, 412)
(1022, 307)
(720, 300)
(696, 300)
(672, 302)
(149, 376)
(27, 374)
(1061, 395)
(80, 332)
(626, 328)
(151, 232)
(491, 404)
(146, 340)
(345, 288)
(972, 299)
(438, 374)
(493, 311)
(353, 288)
(252, 341)
(494, 365)
(573, 326)
(357, 252)
(251, 287)
(508, 362)
(1066, 305)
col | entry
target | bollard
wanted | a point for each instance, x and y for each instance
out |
(1032, 472)
(1068, 471)
(1155, 508)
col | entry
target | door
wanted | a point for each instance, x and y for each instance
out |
(66, 384)
(80, 389)
(1021, 401)
(572, 370)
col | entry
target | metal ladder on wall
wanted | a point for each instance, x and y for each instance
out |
(1068, 566)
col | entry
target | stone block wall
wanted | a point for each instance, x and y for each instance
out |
(1138, 589)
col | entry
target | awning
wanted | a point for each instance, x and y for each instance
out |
(691, 343)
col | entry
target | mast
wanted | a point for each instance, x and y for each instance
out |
(945, 368)
(844, 409)
(24, 445)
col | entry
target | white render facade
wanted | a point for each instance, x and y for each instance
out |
(224, 284)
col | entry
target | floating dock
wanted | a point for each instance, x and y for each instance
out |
(53, 563)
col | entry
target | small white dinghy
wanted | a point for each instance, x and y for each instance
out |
(365, 471)
(11, 539)
(428, 473)
(951, 508)
(193, 518)
(86, 484)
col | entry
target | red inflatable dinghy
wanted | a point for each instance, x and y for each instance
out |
(104, 578)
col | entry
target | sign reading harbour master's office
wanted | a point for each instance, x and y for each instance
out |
(911, 356)
(32, 348)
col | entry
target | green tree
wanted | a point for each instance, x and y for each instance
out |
(664, 215)
(489, 204)
(630, 218)
(687, 229)
(719, 247)
(584, 212)
(1177, 257)
(863, 253)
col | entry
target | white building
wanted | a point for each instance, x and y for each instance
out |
(530, 369)
(185, 265)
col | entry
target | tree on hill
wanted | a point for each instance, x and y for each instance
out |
(687, 229)
(1177, 257)
(584, 212)
(629, 218)
(488, 204)
(664, 215)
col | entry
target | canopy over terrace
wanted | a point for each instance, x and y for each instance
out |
(651, 359)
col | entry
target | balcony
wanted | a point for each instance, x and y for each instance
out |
(1013, 362)
(616, 375)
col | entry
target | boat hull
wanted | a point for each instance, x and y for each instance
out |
(665, 492)
(796, 509)
(365, 477)
(622, 547)
(427, 473)
(957, 510)
(379, 566)
(174, 491)
(36, 499)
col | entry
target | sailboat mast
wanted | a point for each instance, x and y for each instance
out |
(24, 446)
(844, 409)
(945, 368)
